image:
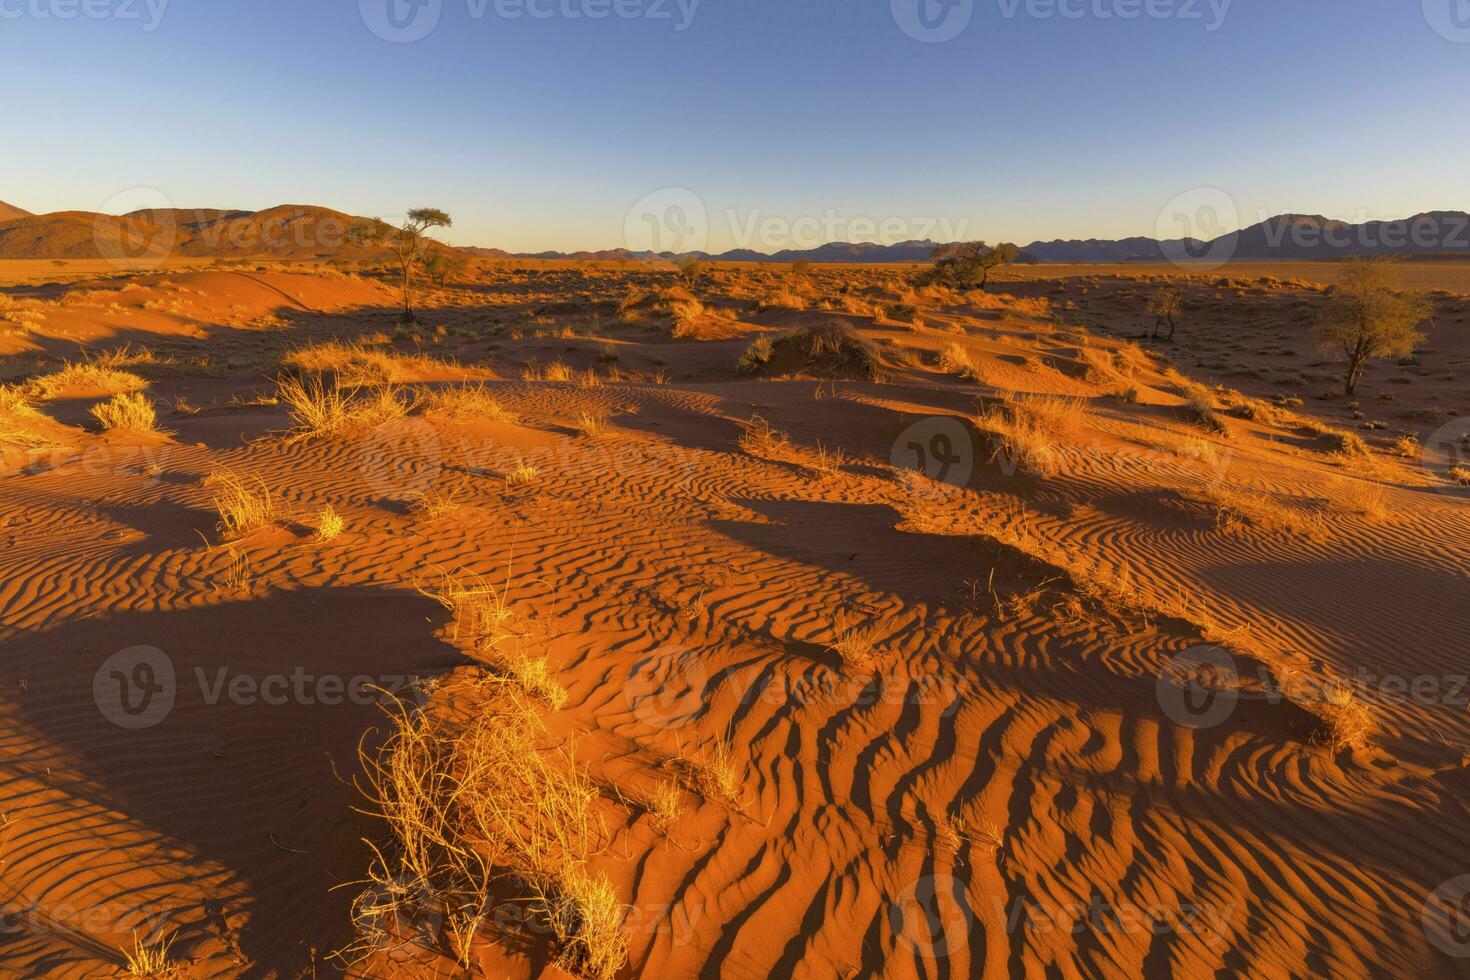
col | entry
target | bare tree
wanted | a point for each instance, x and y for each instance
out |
(407, 243)
(1163, 305)
(967, 265)
(1368, 318)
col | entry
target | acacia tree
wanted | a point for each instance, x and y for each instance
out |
(1366, 317)
(1163, 304)
(967, 265)
(407, 243)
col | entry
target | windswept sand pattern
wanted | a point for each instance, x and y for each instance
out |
(1001, 791)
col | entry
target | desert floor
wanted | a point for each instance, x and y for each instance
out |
(973, 635)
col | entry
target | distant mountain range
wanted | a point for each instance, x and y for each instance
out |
(302, 231)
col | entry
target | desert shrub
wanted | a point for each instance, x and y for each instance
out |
(830, 349)
(756, 356)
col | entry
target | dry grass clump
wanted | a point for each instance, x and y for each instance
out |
(829, 349)
(784, 298)
(592, 423)
(476, 803)
(856, 649)
(522, 474)
(329, 523)
(1200, 401)
(153, 960)
(129, 413)
(955, 359)
(320, 410)
(755, 357)
(465, 403)
(759, 438)
(665, 803)
(714, 774)
(1238, 510)
(1359, 497)
(85, 377)
(675, 305)
(1259, 410)
(358, 366)
(1027, 429)
(22, 426)
(1459, 474)
(245, 504)
(1346, 721)
(1343, 443)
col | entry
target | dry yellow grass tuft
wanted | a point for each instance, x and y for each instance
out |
(329, 523)
(479, 803)
(130, 413)
(759, 438)
(244, 503)
(856, 649)
(523, 473)
(1347, 722)
(1028, 429)
(84, 377)
(1238, 510)
(153, 960)
(319, 410)
(665, 803)
(465, 403)
(22, 426)
(591, 423)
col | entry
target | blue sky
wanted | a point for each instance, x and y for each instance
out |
(782, 118)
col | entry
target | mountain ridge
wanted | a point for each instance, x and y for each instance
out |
(308, 231)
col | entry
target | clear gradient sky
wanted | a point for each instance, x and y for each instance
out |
(540, 133)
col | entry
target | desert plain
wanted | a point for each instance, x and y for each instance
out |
(762, 621)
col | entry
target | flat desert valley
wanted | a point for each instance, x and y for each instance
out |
(610, 619)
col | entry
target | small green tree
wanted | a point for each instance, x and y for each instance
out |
(407, 243)
(690, 269)
(967, 265)
(1366, 317)
(1163, 305)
